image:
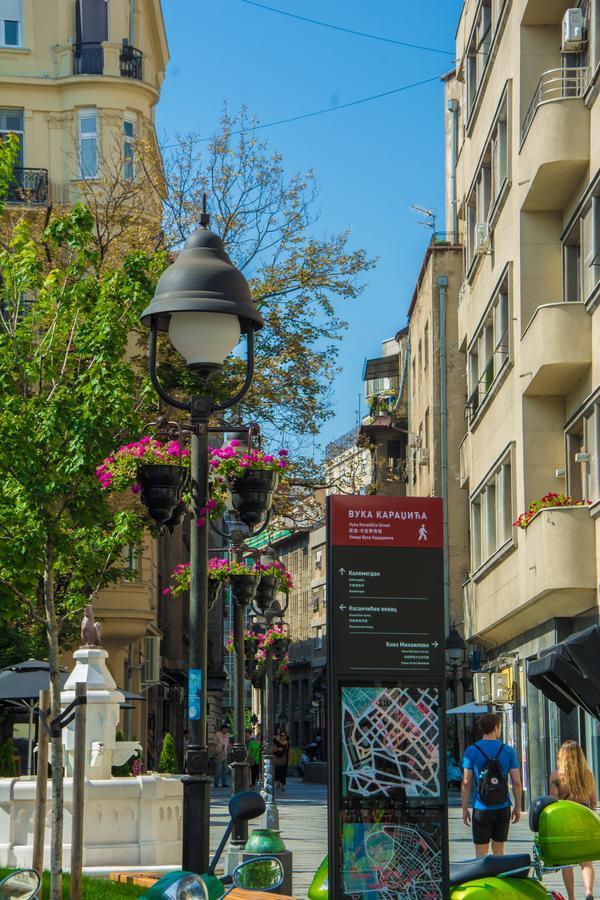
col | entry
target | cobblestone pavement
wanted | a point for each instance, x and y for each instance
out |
(303, 822)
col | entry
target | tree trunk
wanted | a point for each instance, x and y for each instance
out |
(56, 749)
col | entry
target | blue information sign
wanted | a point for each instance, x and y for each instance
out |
(194, 694)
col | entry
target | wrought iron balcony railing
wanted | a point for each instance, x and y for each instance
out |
(88, 59)
(130, 62)
(28, 186)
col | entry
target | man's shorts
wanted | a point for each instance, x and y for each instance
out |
(491, 825)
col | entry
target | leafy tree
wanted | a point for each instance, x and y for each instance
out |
(268, 222)
(167, 762)
(8, 768)
(68, 395)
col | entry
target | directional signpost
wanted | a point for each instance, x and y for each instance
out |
(386, 722)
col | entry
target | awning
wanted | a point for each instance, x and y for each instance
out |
(382, 367)
(569, 673)
(468, 709)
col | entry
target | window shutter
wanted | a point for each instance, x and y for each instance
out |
(11, 10)
(94, 21)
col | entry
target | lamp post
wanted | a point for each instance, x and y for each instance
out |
(204, 303)
(456, 649)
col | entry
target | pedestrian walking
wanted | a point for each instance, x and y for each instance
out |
(487, 765)
(253, 751)
(281, 750)
(221, 754)
(574, 780)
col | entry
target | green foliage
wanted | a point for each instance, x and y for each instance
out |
(93, 888)
(68, 395)
(8, 768)
(167, 763)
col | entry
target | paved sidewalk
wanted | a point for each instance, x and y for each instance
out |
(303, 821)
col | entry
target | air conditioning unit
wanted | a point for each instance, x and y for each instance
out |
(573, 30)
(151, 670)
(413, 439)
(482, 688)
(423, 456)
(482, 238)
(501, 688)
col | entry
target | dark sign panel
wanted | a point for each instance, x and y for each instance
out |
(387, 808)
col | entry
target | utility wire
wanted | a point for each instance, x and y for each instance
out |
(321, 112)
(373, 37)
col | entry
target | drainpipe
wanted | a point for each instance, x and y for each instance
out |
(453, 109)
(443, 287)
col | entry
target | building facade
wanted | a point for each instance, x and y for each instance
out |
(79, 84)
(524, 194)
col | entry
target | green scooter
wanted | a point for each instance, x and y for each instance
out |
(566, 834)
(263, 873)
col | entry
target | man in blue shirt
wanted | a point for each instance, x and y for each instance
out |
(490, 822)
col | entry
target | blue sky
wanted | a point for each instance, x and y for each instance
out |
(372, 161)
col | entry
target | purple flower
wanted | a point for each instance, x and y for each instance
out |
(136, 488)
(166, 592)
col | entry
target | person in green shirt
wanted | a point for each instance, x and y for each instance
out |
(253, 750)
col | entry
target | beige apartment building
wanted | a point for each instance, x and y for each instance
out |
(436, 404)
(523, 171)
(79, 83)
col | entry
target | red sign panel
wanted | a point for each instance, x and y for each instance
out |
(359, 521)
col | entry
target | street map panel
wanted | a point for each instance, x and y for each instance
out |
(390, 741)
(392, 862)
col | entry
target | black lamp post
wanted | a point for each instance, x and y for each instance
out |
(456, 650)
(204, 303)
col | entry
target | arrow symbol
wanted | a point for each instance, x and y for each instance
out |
(342, 607)
(434, 644)
(342, 571)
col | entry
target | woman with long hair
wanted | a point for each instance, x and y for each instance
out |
(574, 780)
(281, 749)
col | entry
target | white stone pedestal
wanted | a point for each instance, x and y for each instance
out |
(128, 821)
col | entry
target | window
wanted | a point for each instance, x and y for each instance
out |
(414, 375)
(88, 143)
(581, 252)
(491, 514)
(128, 149)
(489, 351)
(319, 637)
(131, 560)
(420, 358)
(426, 429)
(478, 51)
(584, 437)
(10, 23)
(11, 122)
(426, 345)
(490, 181)
(383, 385)
(315, 601)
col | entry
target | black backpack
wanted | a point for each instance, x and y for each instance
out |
(492, 786)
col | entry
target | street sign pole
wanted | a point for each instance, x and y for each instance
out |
(386, 697)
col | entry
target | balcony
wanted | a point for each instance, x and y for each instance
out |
(544, 12)
(28, 186)
(561, 562)
(555, 139)
(552, 573)
(89, 59)
(556, 349)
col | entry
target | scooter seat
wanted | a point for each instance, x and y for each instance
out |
(517, 865)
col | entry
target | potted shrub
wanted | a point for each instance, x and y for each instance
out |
(156, 470)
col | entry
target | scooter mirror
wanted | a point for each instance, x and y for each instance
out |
(246, 805)
(262, 874)
(22, 884)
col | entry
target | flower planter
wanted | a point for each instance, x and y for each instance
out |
(161, 488)
(243, 588)
(214, 588)
(252, 494)
(266, 593)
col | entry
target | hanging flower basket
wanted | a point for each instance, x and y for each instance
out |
(266, 593)
(161, 489)
(258, 647)
(155, 470)
(252, 495)
(251, 476)
(243, 586)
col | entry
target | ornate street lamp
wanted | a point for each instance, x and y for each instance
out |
(204, 303)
